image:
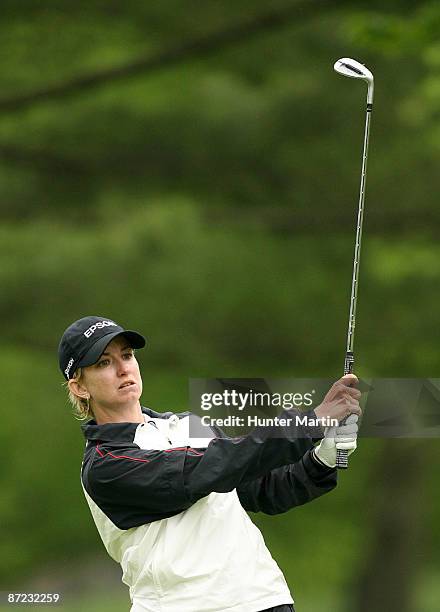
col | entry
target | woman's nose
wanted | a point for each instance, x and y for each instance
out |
(122, 367)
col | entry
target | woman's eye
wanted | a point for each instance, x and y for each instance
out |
(128, 356)
(103, 363)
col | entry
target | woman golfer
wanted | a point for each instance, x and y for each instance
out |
(171, 508)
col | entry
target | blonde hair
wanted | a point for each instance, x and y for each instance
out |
(81, 406)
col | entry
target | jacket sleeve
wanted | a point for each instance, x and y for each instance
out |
(288, 486)
(133, 486)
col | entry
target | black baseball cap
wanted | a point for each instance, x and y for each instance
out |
(84, 341)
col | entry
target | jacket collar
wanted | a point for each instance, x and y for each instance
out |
(121, 432)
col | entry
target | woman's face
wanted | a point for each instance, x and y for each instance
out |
(114, 381)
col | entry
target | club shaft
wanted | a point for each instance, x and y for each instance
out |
(342, 454)
(357, 248)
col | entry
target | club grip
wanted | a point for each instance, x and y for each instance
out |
(341, 458)
(348, 363)
(342, 453)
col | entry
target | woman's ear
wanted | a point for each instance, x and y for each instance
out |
(78, 389)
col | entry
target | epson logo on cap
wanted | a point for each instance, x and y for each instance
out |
(99, 325)
(69, 365)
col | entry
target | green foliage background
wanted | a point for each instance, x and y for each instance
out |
(210, 201)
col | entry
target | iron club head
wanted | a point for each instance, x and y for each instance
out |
(355, 70)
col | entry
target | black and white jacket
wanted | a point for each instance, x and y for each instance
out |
(171, 509)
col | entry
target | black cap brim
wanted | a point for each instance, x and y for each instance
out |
(135, 340)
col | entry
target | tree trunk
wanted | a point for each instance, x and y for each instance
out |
(387, 580)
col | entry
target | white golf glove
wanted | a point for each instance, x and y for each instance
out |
(343, 436)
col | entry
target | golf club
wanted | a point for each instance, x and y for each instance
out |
(355, 70)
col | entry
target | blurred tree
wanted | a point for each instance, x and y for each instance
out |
(205, 192)
(395, 551)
